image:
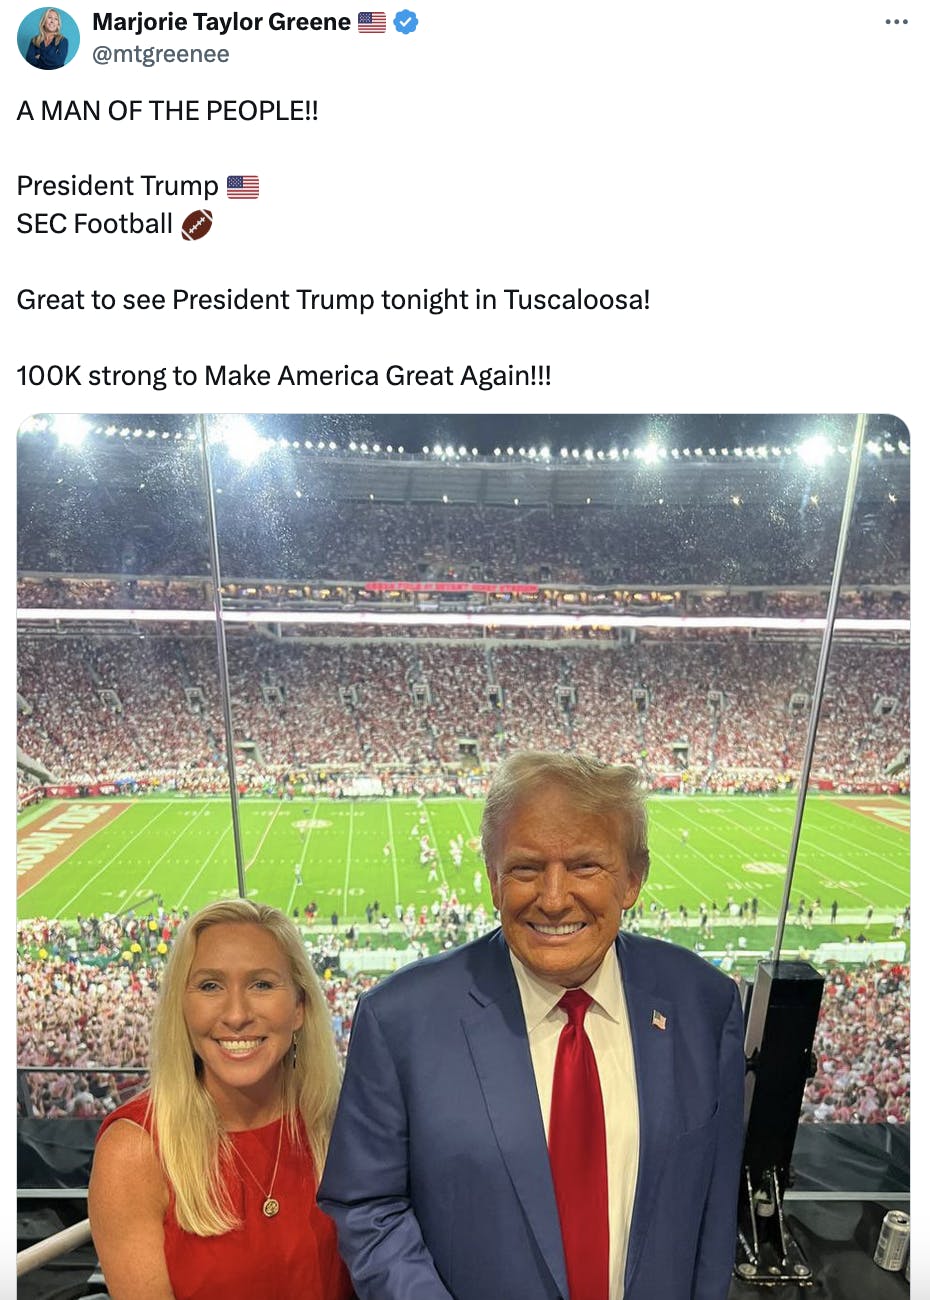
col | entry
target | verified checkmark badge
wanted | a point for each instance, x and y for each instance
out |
(405, 21)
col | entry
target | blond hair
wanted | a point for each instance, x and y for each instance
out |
(40, 38)
(192, 1143)
(596, 787)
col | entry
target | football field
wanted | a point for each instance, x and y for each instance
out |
(96, 856)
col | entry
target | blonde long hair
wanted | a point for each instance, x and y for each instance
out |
(192, 1144)
(40, 38)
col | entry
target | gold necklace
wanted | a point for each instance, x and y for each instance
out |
(270, 1205)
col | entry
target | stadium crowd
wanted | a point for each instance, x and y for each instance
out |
(862, 1048)
(711, 539)
(85, 997)
(726, 707)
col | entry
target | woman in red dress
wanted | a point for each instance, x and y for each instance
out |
(205, 1187)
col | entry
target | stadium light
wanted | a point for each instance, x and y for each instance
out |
(649, 454)
(815, 450)
(242, 442)
(70, 430)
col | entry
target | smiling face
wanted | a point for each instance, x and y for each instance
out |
(560, 879)
(241, 1007)
(51, 23)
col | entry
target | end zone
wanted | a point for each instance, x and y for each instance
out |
(46, 842)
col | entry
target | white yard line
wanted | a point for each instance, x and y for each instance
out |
(727, 874)
(73, 899)
(303, 857)
(393, 851)
(205, 864)
(345, 891)
(865, 828)
(265, 833)
(471, 830)
(137, 889)
(432, 835)
(848, 867)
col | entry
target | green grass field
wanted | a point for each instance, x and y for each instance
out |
(852, 850)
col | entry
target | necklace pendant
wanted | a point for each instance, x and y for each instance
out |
(270, 1208)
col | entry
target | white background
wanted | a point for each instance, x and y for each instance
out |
(759, 168)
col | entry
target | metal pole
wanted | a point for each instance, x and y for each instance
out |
(221, 656)
(825, 646)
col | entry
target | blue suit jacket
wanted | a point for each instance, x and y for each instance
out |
(438, 1173)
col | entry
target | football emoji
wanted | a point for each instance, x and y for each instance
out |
(197, 224)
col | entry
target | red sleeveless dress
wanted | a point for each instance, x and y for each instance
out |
(290, 1257)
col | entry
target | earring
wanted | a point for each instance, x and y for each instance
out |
(294, 1051)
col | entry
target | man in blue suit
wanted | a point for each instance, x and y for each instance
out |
(439, 1174)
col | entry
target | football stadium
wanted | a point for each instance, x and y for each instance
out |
(282, 657)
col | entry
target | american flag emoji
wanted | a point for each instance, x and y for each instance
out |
(242, 187)
(372, 21)
(658, 1020)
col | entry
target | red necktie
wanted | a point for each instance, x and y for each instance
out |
(578, 1155)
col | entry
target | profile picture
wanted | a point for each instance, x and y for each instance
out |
(48, 39)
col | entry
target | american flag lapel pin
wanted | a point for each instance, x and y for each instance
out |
(658, 1020)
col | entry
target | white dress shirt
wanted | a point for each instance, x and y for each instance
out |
(608, 1027)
